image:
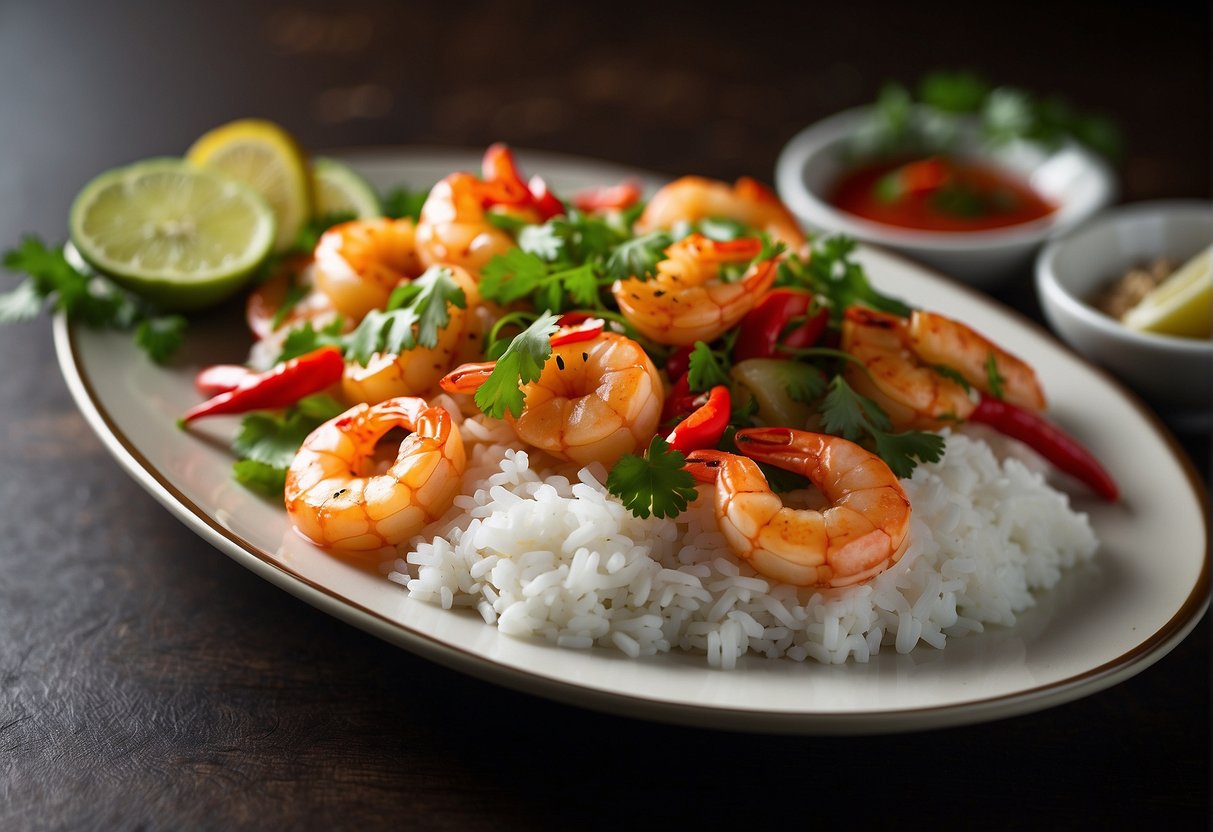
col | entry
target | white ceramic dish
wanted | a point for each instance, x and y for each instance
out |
(1074, 179)
(1100, 625)
(1174, 373)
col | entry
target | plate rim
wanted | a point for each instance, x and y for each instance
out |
(327, 600)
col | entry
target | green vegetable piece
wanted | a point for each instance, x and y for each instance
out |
(520, 364)
(953, 92)
(656, 483)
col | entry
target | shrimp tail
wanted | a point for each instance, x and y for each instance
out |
(705, 465)
(467, 378)
(784, 448)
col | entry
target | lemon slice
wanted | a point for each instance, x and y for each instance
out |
(269, 159)
(339, 189)
(182, 236)
(1180, 305)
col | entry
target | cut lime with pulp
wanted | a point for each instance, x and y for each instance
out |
(1182, 304)
(340, 191)
(179, 235)
(267, 157)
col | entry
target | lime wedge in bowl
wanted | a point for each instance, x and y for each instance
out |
(340, 190)
(1182, 304)
(181, 236)
(267, 157)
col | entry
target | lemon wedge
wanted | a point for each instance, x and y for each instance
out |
(1180, 305)
(266, 157)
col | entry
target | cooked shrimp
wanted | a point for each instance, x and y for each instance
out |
(270, 319)
(335, 499)
(416, 372)
(453, 230)
(594, 401)
(686, 301)
(901, 367)
(694, 198)
(862, 533)
(359, 263)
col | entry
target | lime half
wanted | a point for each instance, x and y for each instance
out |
(267, 157)
(1180, 305)
(339, 189)
(176, 234)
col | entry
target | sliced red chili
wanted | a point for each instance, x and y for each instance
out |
(704, 427)
(1049, 441)
(280, 387)
(578, 329)
(766, 327)
(610, 198)
(546, 203)
(503, 183)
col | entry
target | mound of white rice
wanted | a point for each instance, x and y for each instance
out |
(549, 554)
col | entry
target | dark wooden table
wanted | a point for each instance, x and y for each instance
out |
(146, 681)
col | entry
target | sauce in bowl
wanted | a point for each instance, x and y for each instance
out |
(938, 194)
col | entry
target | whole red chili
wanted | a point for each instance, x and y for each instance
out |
(704, 427)
(766, 327)
(279, 387)
(1049, 441)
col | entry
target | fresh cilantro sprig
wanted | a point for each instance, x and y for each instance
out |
(404, 203)
(415, 314)
(639, 256)
(847, 414)
(656, 483)
(707, 367)
(52, 282)
(267, 442)
(994, 378)
(520, 364)
(837, 278)
(932, 121)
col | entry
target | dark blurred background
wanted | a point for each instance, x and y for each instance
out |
(147, 682)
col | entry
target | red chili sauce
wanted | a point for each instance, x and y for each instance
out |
(938, 194)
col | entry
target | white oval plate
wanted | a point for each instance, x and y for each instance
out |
(1098, 626)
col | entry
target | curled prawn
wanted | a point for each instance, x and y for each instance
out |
(863, 532)
(416, 372)
(335, 498)
(594, 401)
(749, 202)
(687, 300)
(453, 229)
(359, 263)
(907, 367)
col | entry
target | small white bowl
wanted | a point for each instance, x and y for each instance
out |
(1172, 373)
(1077, 181)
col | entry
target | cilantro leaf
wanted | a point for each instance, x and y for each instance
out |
(580, 284)
(639, 256)
(511, 276)
(21, 304)
(401, 203)
(655, 483)
(161, 336)
(267, 442)
(804, 382)
(520, 364)
(416, 313)
(706, 368)
(837, 278)
(305, 338)
(855, 417)
(953, 92)
(543, 241)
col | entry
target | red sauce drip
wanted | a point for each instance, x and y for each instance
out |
(938, 194)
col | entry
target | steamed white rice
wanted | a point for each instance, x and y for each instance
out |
(543, 551)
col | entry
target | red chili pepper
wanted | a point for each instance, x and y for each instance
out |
(220, 378)
(680, 402)
(610, 198)
(284, 385)
(1049, 441)
(546, 203)
(577, 329)
(704, 427)
(679, 362)
(762, 330)
(503, 183)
